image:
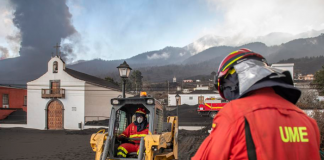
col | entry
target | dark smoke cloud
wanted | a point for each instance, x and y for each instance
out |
(69, 51)
(42, 24)
(73, 47)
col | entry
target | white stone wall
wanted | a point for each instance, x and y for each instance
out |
(74, 97)
(97, 102)
(36, 107)
(201, 88)
(285, 67)
(185, 98)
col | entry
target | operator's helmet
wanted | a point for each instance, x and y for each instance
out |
(140, 111)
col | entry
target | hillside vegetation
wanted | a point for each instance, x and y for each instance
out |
(306, 65)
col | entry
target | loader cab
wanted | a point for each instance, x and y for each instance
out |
(123, 114)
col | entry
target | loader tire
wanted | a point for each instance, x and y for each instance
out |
(212, 114)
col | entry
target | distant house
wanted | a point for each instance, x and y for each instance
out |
(201, 87)
(192, 98)
(188, 81)
(285, 66)
(300, 76)
(320, 98)
(13, 98)
(174, 79)
(63, 98)
(309, 77)
(186, 91)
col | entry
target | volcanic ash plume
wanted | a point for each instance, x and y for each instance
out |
(3, 53)
(42, 24)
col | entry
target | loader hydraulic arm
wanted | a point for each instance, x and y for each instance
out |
(96, 141)
(166, 140)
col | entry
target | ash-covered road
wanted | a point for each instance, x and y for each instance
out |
(30, 144)
(189, 141)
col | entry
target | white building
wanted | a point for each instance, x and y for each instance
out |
(187, 81)
(286, 67)
(201, 87)
(186, 91)
(192, 98)
(309, 77)
(320, 98)
(62, 98)
(174, 79)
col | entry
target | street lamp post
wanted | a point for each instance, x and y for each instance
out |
(214, 79)
(124, 71)
(214, 76)
(177, 99)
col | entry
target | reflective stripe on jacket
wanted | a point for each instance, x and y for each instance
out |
(279, 130)
(131, 132)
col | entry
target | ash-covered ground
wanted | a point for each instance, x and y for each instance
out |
(189, 141)
(32, 144)
(188, 116)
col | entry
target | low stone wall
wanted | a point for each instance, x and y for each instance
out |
(95, 127)
(13, 125)
(309, 112)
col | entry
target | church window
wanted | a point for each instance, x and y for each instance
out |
(55, 67)
(5, 99)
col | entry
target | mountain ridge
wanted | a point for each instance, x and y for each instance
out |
(168, 58)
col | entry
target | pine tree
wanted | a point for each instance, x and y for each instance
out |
(318, 81)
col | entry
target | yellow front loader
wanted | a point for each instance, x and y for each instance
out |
(160, 144)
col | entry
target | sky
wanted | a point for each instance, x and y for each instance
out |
(119, 29)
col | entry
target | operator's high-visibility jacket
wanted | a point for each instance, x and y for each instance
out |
(131, 132)
(261, 126)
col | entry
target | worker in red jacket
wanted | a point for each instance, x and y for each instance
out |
(261, 120)
(137, 129)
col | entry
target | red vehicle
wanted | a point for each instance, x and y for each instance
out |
(210, 107)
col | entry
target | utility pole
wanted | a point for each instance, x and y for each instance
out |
(214, 76)
(168, 87)
(182, 84)
(136, 82)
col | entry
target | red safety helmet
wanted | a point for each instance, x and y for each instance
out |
(141, 111)
(229, 61)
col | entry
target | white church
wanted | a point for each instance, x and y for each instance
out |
(63, 98)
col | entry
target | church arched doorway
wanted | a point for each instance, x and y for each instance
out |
(55, 115)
